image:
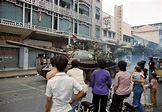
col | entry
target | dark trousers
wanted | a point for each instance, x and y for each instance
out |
(117, 102)
(100, 98)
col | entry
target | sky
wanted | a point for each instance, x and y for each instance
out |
(136, 12)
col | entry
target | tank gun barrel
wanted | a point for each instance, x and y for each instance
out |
(34, 47)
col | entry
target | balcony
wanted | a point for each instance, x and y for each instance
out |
(28, 27)
(84, 18)
(63, 11)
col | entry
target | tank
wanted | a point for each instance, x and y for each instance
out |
(86, 56)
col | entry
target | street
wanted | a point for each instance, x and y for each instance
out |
(27, 94)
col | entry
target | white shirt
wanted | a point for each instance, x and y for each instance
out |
(60, 88)
(77, 74)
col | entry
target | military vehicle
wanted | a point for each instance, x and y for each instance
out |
(86, 57)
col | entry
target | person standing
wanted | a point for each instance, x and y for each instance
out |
(122, 87)
(59, 89)
(136, 76)
(145, 80)
(138, 88)
(77, 74)
(100, 82)
(52, 73)
(151, 65)
(153, 89)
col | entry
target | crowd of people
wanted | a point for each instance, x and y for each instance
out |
(65, 90)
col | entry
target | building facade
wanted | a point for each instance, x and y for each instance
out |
(152, 32)
(115, 32)
(47, 24)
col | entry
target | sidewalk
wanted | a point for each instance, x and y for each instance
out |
(15, 73)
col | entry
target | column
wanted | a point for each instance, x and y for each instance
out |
(23, 60)
(23, 14)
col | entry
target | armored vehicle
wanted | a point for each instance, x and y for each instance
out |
(86, 57)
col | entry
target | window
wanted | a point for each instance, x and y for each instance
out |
(55, 23)
(105, 33)
(160, 33)
(97, 16)
(75, 28)
(113, 35)
(110, 34)
(64, 4)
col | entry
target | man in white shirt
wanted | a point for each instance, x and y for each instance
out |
(60, 88)
(77, 74)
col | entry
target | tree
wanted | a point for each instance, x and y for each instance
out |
(139, 52)
(138, 49)
(120, 53)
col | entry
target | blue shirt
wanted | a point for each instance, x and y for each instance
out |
(137, 77)
(100, 82)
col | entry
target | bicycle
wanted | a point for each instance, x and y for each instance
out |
(85, 106)
(124, 107)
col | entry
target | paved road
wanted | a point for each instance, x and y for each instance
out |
(26, 94)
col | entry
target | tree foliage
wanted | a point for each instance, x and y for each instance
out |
(120, 53)
(151, 49)
(139, 49)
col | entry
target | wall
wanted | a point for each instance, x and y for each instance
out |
(150, 35)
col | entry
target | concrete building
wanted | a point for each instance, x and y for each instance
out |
(47, 24)
(116, 32)
(148, 32)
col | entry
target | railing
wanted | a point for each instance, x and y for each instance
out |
(26, 25)
(40, 28)
(84, 18)
(63, 11)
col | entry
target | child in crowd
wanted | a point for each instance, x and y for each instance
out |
(146, 84)
(153, 89)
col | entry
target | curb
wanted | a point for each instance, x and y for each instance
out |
(17, 76)
(17, 73)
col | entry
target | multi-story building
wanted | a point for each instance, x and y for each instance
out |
(116, 32)
(150, 32)
(45, 23)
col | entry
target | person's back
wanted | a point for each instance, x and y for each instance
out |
(53, 71)
(59, 89)
(122, 87)
(61, 92)
(100, 82)
(123, 81)
(100, 77)
(76, 74)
